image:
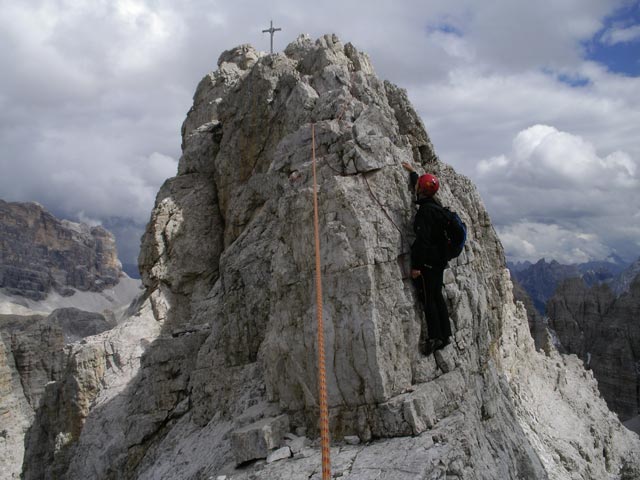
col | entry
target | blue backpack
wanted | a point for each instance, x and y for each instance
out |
(455, 233)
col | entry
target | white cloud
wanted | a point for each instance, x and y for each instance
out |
(487, 166)
(453, 45)
(82, 217)
(530, 241)
(544, 154)
(155, 168)
(488, 110)
(552, 195)
(617, 35)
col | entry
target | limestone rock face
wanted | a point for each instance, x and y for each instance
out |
(37, 347)
(604, 332)
(576, 314)
(40, 253)
(227, 261)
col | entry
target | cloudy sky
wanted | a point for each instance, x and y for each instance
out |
(537, 102)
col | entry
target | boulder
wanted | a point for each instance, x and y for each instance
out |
(258, 439)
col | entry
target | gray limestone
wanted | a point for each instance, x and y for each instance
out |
(622, 283)
(279, 454)
(258, 439)
(16, 414)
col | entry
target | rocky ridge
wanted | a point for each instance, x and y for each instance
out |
(228, 268)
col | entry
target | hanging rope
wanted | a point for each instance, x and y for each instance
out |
(322, 379)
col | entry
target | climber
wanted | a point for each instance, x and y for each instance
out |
(428, 261)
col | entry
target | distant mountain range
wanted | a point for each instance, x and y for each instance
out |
(541, 279)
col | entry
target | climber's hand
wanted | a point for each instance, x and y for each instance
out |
(408, 166)
(415, 273)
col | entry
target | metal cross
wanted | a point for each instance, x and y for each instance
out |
(271, 30)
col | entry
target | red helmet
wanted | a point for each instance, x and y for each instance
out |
(428, 185)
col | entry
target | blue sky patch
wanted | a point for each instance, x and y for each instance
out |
(623, 56)
(445, 28)
(574, 80)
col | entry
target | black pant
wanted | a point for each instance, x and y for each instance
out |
(429, 285)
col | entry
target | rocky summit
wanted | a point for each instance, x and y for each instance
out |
(216, 376)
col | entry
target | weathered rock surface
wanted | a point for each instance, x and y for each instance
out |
(603, 330)
(227, 261)
(41, 253)
(37, 348)
(15, 414)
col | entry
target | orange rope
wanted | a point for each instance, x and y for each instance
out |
(322, 379)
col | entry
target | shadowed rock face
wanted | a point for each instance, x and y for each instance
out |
(227, 260)
(603, 330)
(40, 252)
(34, 355)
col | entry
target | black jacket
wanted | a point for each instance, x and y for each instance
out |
(429, 247)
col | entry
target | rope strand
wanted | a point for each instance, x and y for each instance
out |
(322, 381)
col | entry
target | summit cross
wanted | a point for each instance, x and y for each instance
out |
(271, 30)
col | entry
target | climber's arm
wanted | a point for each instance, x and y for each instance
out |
(413, 175)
